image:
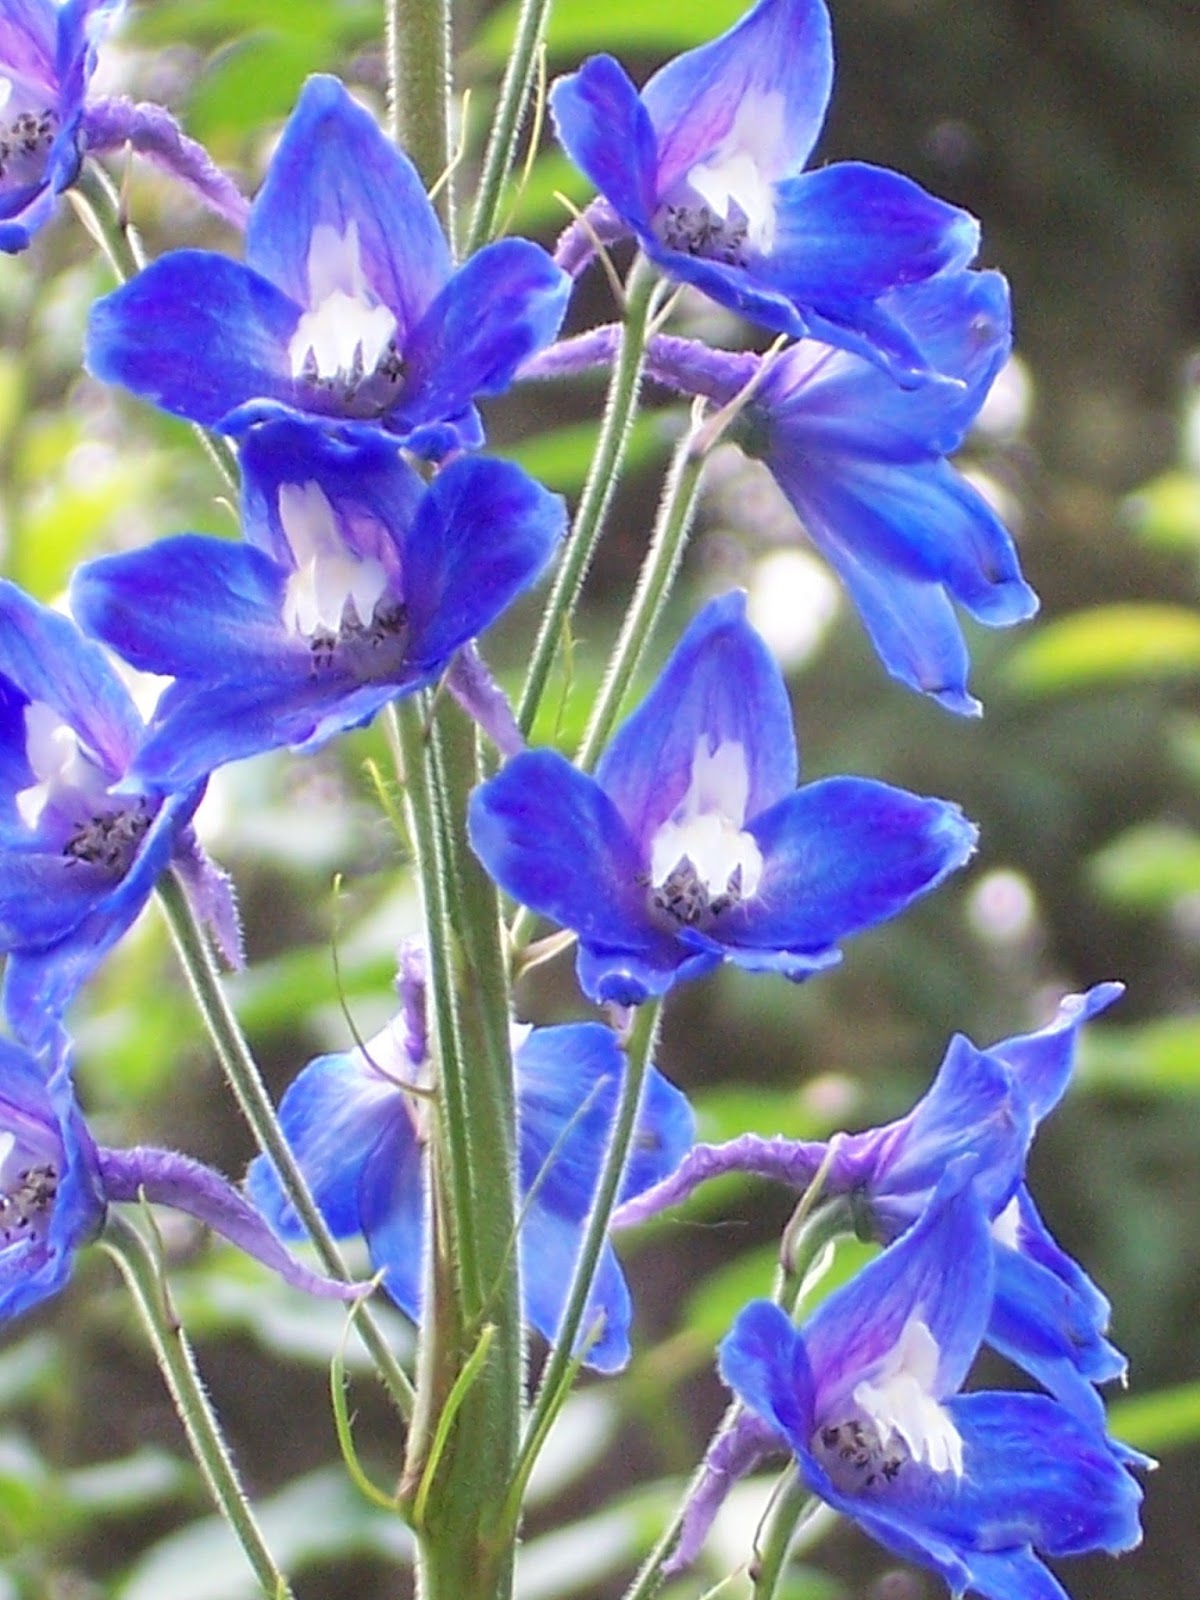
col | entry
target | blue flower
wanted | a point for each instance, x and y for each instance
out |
(692, 845)
(356, 584)
(47, 56)
(973, 1486)
(79, 855)
(56, 1185)
(863, 462)
(1047, 1315)
(706, 168)
(359, 1138)
(348, 306)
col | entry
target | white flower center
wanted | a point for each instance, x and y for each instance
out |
(701, 860)
(346, 335)
(899, 1400)
(725, 207)
(330, 585)
(58, 762)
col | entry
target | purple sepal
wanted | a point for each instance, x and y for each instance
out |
(787, 1161)
(153, 132)
(210, 889)
(412, 991)
(735, 1451)
(471, 683)
(166, 1178)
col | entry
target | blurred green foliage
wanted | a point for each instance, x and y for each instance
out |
(1073, 132)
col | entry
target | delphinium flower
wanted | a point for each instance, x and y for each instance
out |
(356, 583)
(359, 1132)
(692, 844)
(1047, 1316)
(863, 463)
(47, 56)
(706, 169)
(56, 1185)
(348, 306)
(79, 855)
(976, 1487)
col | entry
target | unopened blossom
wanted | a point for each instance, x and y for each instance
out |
(692, 844)
(355, 583)
(976, 1487)
(348, 306)
(358, 1124)
(707, 168)
(47, 57)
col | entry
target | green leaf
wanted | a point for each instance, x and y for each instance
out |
(1108, 644)
(1149, 867)
(1153, 1058)
(1160, 1421)
(1166, 511)
(560, 459)
(578, 27)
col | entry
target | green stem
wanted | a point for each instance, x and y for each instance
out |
(620, 407)
(510, 111)
(419, 77)
(672, 525)
(173, 1352)
(796, 1506)
(98, 203)
(639, 1055)
(459, 1469)
(241, 1072)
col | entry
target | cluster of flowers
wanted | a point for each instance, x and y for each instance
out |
(345, 358)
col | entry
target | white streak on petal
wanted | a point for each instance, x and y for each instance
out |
(328, 579)
(56, 760)
(706, 826)
(899, 1398)
(346, 332)
(739, 175)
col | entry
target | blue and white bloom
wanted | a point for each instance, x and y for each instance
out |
(56, 1185)
(706, 168)
(356, 583)
(359, 1134)
(79, 855)
(47, 56)
(1047, 1316)
(863, 463)
(692, 844)
(975, 1487)
(348, 306)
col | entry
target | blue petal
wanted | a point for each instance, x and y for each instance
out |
(1013, 1574)
(483, 533)
(842, 855)
(568, 1079)
(549, 1249)
(334, 1115)
(196, 334)
(40, 983)
(925, 522)
(849, 234)
(362, 474)
(720, 684)
(1034, 1474)
(606, 131)
(781, 49)
(611, 975)
(817, 400)
(940, 1272)
(49, 660)
(1042, 1061)
(764, 1361)
(394, 1207)
(334, 167)
(29, 41)
(910, 622)
(191, 607)
(552, 838)
(502, 306)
